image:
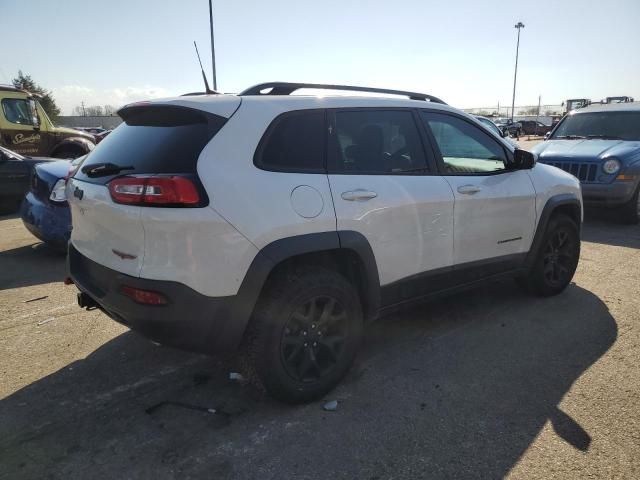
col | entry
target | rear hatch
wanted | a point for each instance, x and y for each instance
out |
(148, 161)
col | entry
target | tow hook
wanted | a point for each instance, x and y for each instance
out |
(85, 301)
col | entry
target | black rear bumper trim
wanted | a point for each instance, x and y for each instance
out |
(191, 321)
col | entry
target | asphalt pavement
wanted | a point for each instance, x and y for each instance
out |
(485, 384)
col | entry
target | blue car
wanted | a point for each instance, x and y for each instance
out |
(600, 145)
(45, 211)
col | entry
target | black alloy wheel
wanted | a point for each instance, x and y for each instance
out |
(314, 338)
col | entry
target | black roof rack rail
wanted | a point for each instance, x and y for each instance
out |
(285, 88)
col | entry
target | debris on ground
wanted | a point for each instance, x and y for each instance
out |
(331, 406)
(36, 299)
(42, 322)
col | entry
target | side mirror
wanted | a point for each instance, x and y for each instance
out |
(546, 136)
(523, 160)
(34, 113)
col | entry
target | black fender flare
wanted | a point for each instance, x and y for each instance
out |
(83, 144)
(283, 249)
(552, 205)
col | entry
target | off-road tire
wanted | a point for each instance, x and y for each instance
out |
(278, 314)
(556, 259)
(629, 213)
(9, 205)
(68, 153)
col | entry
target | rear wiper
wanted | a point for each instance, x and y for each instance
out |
(103, 169)
(569, 137)
(604, 137)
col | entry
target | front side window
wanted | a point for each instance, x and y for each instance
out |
(376, 142)
(17, 110)
(491, 126)
(465, 148)
(594, 125)
(295, 142)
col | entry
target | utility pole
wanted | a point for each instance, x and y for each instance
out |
(213, 49)
(538, 114)
(518, 25)
(84, 112)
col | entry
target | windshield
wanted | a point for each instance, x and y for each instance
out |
(612, 125)
(8, 153)
(44, 115)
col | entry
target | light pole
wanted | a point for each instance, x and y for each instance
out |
(213, 50)
(518, 25)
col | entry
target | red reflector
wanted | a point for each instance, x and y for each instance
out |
(145, 297)
(152, 190)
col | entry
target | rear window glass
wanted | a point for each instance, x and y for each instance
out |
(295, 142)
(155, 140)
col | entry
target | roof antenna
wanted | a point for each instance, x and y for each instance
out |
(204, 77)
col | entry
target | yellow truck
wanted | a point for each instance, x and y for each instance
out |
(25, 128)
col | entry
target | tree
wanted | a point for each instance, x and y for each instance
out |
(529, 111)
(94, 111)
(25, 82)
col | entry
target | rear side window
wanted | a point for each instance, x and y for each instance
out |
(295, 142)
(155, 139)
(376, 142)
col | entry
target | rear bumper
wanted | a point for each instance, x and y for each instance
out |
(49, 223)
(189, 321)
(608, 194)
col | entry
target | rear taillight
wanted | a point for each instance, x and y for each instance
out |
(70, 173)
(58, 191)
(145, 297)
(154, 191)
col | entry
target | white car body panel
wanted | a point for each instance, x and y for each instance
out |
(497, 220)
(549, 181)
(101, 228)
(409, 224)
(258, 202)
(195, 247)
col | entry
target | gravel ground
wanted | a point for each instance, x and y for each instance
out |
(487, 384)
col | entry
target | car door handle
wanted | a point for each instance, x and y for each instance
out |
(358, 195)
(469, 189)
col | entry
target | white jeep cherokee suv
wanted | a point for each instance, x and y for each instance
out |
(284, 222)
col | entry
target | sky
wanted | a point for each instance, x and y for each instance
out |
(463, 51)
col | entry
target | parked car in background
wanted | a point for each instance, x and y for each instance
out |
(25, 128)
(507, 125)
(45, 211)
(101, 136)
(533, 127)
(91, 130)
(600, 145)
(487, 122)
(15, 174)
(351, 206)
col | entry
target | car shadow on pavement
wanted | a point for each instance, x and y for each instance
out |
(33, 264)
(458, 388)
(600, 226)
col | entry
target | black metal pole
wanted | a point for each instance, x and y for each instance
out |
(519, 25)
(213, 49)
